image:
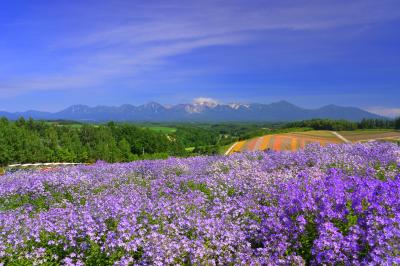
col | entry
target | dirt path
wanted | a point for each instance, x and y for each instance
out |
(230, 149)
(340, 137)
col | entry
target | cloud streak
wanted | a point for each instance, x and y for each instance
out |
(151, 36)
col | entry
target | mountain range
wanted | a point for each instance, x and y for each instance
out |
(198, 112)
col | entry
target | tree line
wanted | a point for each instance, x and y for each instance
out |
(328, 124)
(29, 141)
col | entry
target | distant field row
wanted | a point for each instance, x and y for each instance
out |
(367, 135)
(298, 140)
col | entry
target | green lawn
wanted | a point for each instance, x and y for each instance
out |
(365, 135)
(166, 130)
(365, 132)
(317, 133)
(60, 124)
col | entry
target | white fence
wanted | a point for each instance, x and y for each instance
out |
(15, 167)
(40, 164)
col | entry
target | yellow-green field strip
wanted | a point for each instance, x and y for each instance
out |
(298, 140)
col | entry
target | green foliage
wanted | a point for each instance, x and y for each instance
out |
(306, 240)
(162, 129)
(252, 216)
(211, 149)
(339, 125)
(351, 219)
(397, 123)
(112, 224)
(38, 141)
(202, 187)
(231, 191)
(195, 136)
(55, 251)
(37, 202)
(16, 201)
(376, 123)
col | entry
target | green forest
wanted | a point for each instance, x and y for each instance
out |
(28, 141)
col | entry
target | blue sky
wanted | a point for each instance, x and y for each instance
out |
(311, 53)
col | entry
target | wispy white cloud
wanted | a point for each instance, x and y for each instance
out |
(151, 36)
(214, 18)
(100, 67)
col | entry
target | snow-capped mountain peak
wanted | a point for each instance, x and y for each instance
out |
(238, 105)
(202, 101)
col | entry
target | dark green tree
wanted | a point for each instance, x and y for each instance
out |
(397, 123)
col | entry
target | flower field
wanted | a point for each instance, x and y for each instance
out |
(285, 142)
(333, 205)
(298, 140)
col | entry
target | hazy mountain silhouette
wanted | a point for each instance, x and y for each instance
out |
(198, 112)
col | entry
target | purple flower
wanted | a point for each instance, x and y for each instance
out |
(338, 204)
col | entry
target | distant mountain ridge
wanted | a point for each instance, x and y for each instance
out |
(198, 112)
